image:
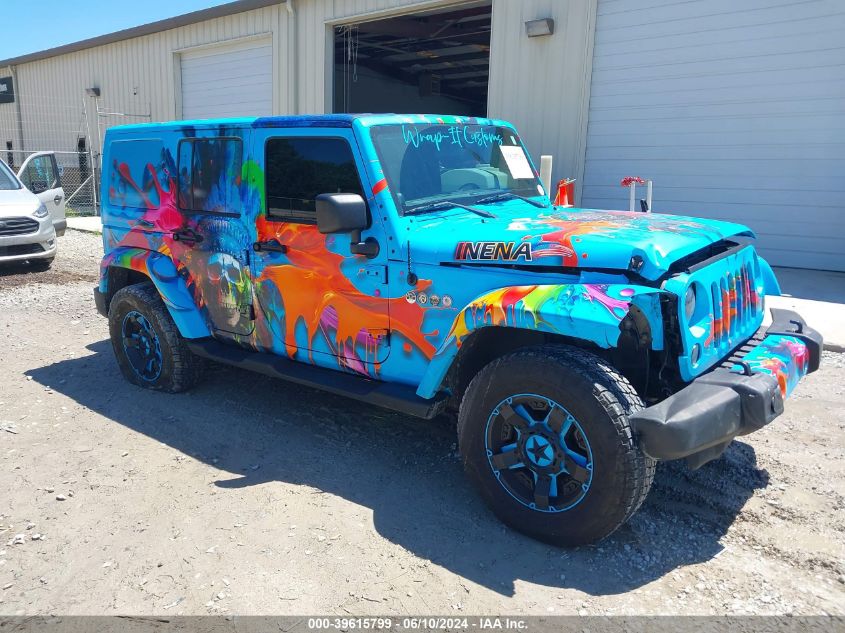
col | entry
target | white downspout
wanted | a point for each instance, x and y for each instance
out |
(546, 174)
(295, 57)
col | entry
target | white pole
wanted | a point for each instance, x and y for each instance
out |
(546, 173)
(648, 195)
(633, 197)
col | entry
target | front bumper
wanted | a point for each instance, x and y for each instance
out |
(40, 244)
(743, 395)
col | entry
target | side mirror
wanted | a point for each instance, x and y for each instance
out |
(341, 213)
(38, 186)
(346, 213)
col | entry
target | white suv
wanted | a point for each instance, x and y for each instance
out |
(31, 218)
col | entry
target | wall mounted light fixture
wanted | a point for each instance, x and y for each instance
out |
(92, 92)
(538, 28)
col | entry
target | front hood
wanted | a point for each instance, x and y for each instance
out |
(17, 202)
(573, 238)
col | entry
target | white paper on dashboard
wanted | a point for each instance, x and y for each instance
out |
(517, 161)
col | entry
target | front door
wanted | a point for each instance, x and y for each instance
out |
(318, 302)
(40, 174)
(213, 244)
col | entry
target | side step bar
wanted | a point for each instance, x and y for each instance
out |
(393, 396)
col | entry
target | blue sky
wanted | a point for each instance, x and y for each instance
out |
(34, 26)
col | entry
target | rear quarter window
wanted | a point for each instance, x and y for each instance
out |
(210, 171)
(130, 182)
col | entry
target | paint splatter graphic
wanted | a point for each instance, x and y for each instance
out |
(784, 357)
(314, 302)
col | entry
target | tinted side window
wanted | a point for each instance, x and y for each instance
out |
(210, 174)
(39, 174)
(297, 170)
(129, 183)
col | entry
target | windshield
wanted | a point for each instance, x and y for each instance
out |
(426, 164)
(7, 178)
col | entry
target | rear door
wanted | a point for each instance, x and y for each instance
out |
(213, 243)
(40, 174)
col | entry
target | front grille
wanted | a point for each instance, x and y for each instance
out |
(17, 226)
(736, 303)
(729, 308)
(20, 249)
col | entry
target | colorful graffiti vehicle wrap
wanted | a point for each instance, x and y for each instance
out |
(383, 247)
(784, 357)
(591, 312)
(316, 303)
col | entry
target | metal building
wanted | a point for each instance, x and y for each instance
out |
(735, 110)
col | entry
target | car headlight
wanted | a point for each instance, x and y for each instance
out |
(689, 303)
(41, 211)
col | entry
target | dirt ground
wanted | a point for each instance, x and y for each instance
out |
(253, 496)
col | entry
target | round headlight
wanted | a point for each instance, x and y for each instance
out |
(41, 211)
(689, 302)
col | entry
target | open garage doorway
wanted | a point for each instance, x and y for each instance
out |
(434, 61)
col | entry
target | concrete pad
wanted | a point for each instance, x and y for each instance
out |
(819, 297)
(86, 224)
(826, 317)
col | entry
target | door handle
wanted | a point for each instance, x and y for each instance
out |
(57, 199)
(187, 236)
(269, 246)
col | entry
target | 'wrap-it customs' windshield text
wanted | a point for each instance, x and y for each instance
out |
(459, 135)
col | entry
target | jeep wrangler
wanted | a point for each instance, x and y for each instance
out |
(416, 263)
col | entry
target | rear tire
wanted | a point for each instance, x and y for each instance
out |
(147, 345)
(544, 436)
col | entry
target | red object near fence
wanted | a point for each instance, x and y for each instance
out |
(565, 196)
(627, 181)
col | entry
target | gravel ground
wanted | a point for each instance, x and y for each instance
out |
(253, 496)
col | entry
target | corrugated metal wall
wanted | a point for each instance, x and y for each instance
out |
(313, 41)
(541, 84)
(8, 119)
(136, 76)
(735, 109)
(140, 75)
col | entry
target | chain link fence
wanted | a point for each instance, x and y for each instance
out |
(76, 174)
(73, 132)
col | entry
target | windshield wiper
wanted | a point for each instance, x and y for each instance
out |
(447, 204)
(509, 195)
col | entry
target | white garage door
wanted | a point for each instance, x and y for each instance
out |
(228, 81)
(736, 110)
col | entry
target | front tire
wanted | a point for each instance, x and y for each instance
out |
(544, 436)
(147, 345)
